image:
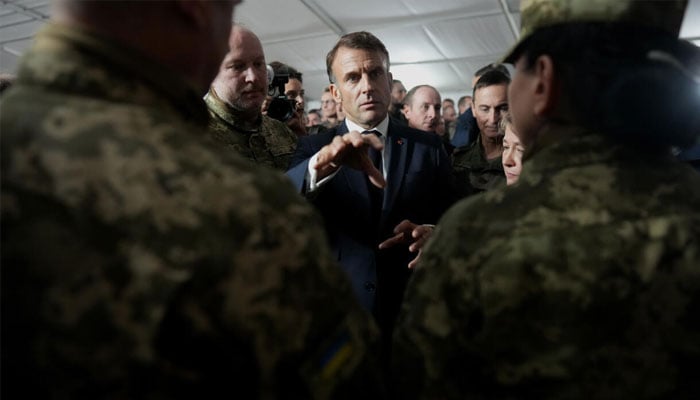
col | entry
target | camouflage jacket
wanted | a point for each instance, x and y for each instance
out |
(139, 262)
(581, 280)
(271, 144)
(473, 173)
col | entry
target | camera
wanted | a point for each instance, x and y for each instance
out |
(280, 108)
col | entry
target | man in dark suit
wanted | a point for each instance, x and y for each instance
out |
(375, 216)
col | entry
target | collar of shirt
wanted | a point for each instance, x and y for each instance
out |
(382, 127)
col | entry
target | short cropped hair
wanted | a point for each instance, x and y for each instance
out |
(279, 67)
(356, 40)
(491, 78)
(408, 100)
(492, 67)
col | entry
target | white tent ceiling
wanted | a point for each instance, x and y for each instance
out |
(439, 42)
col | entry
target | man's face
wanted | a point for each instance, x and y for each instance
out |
(328, 105)
(242, 79)
(398, 92)
(363, 85)
(465, 105)
(424, 111)
(313, 119)
(294, 90)
(449, 114)
(490, 102)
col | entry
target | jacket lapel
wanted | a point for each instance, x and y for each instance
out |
(397, 153)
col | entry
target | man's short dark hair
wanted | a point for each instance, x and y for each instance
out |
(356, 40)
(279, 67)
(491, 78)
(492, 67)
(463, 101)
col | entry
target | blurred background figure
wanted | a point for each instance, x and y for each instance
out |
(6, 81)
(449, 116)
(513, 150)
(448, 102)
(463, 104)
(313, 118)
(398, 94)
(329, 109)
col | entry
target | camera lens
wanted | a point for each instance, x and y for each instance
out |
(281, 109)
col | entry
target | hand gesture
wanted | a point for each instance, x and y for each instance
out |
(350, 150)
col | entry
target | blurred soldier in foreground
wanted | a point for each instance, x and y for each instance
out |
(235, 100)
(582, 280)
(138, 262)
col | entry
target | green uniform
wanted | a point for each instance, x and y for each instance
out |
(473, 172)
(140, 262)
(272, 143)
(581, 280)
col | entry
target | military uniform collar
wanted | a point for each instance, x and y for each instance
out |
(222, 110)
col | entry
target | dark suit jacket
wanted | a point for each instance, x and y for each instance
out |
(418, 189)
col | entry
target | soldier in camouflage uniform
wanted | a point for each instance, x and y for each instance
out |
(477, 167)
(138, 262)
(235, 100)
(582, 280)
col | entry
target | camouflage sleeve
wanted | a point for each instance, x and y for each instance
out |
(286, 301)
(500, 309)
(424, 360)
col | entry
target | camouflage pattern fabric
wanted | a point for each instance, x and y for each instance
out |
(664, 15)
(473, 173)
(271, 144)
(580, 281)
(138, 262)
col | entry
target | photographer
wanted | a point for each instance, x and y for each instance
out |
(235, 99)
(285, 100)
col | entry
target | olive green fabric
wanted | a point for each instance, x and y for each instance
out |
(271, 143)
(664, 15)
(473, 173)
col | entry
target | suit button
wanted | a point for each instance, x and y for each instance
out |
(370, 287)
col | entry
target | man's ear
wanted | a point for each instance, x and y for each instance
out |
(546, 91)
(406, 110)
(335, 92)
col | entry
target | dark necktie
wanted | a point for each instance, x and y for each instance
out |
(375, 155)
(376, 194)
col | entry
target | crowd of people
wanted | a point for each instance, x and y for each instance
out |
(174, 226)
